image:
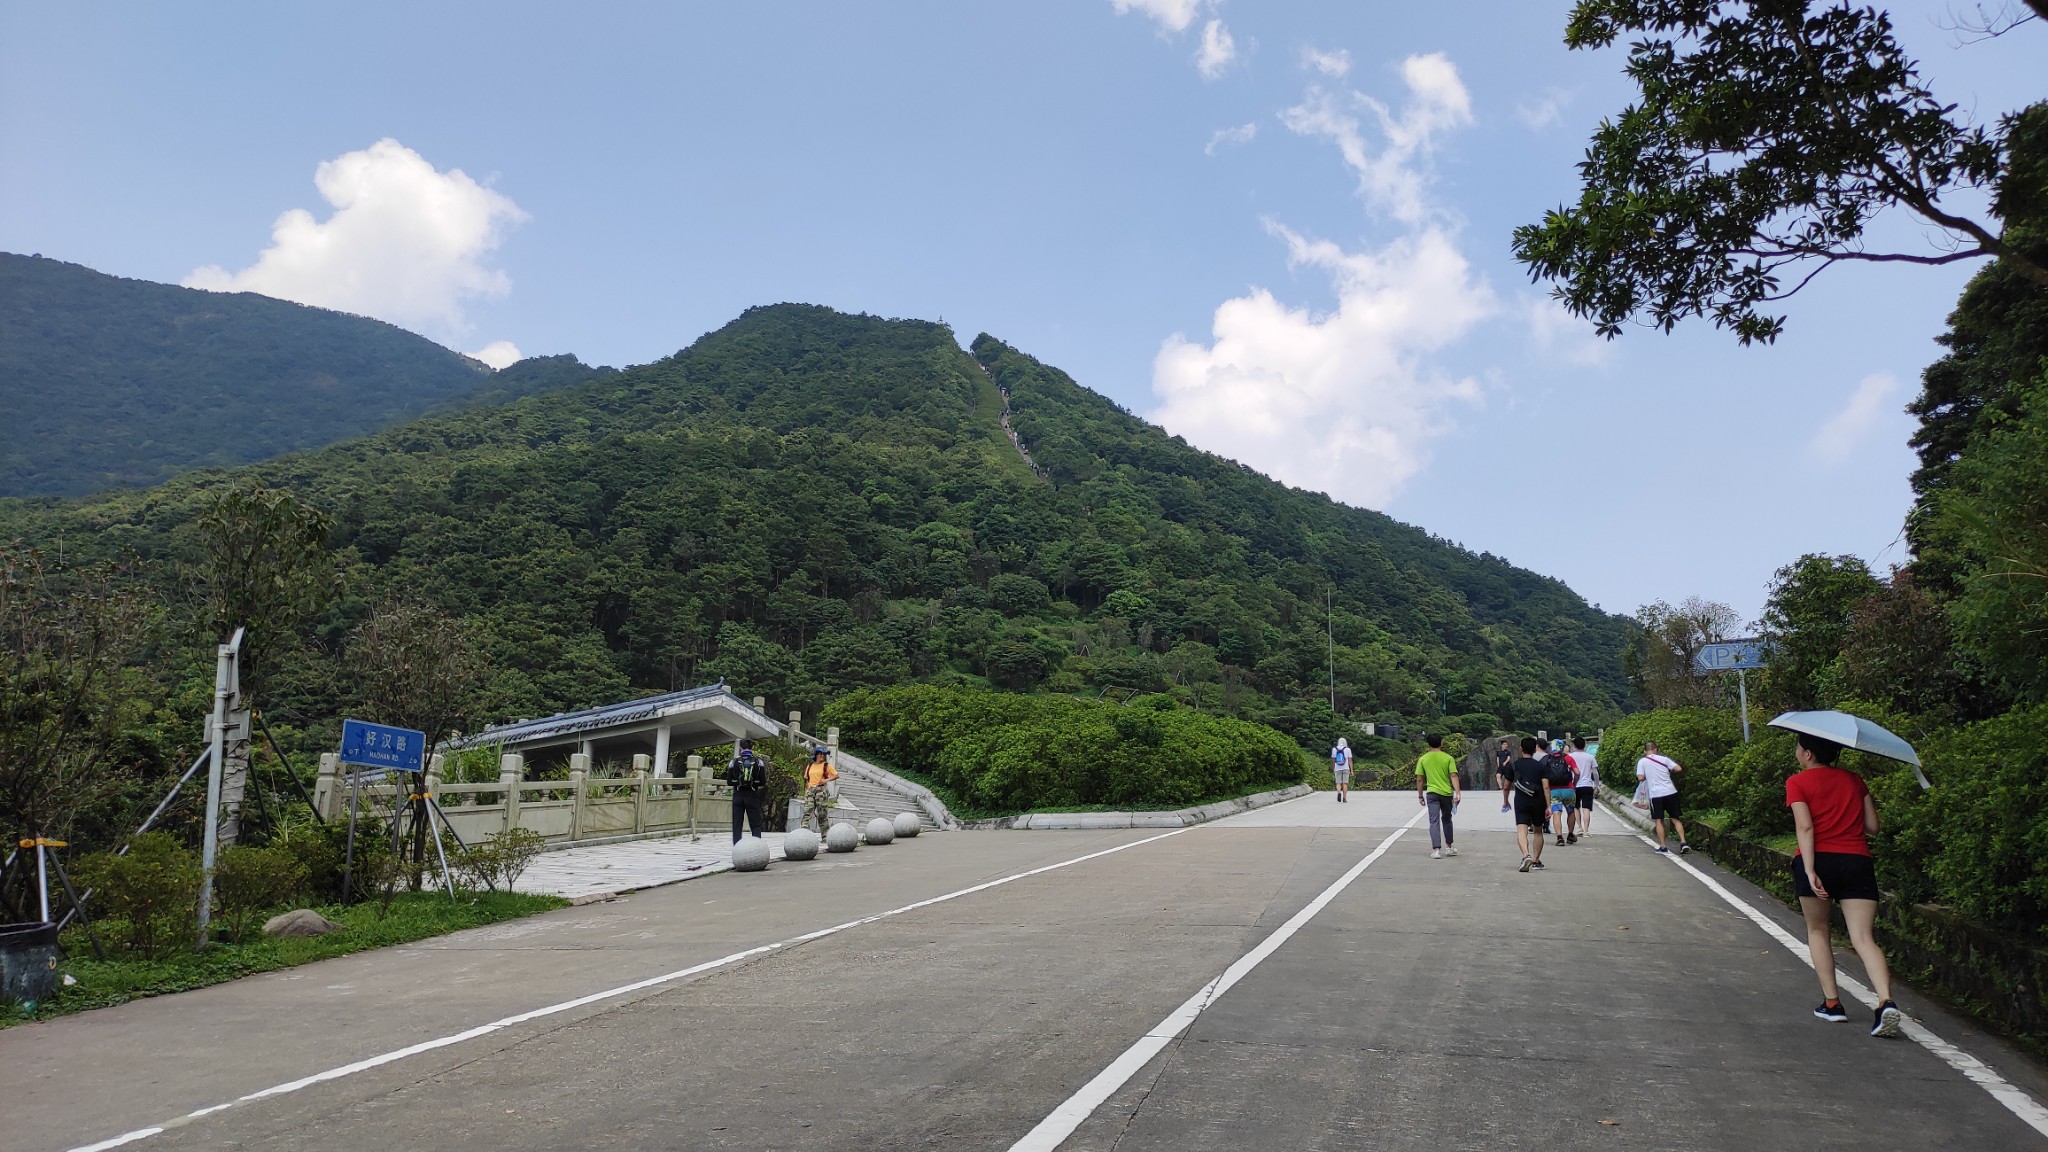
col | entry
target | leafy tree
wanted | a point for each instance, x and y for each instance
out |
(68, 694)
(1769, 135)
(1900, 651)
(1998, 513)
(416, 667)
(265, 567)
(1663, 659)
(1807, 620)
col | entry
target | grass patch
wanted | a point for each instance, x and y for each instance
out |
(412, 916)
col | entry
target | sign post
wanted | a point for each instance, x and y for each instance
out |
(1737, 656)
(374, 750)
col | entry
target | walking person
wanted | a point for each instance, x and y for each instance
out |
(1340, 766)
(1438, 788)
(1585, 784)
(1834, 816)
(1564, 797)
(1523, 784)
(818, 777)
(748, 775)
(1656, 771)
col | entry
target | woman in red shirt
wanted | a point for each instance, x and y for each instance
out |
(1834, 815)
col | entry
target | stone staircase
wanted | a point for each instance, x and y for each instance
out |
(867, 791)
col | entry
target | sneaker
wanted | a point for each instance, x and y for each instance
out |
(1663, 849)
(1436, 853)
(1525, 864)
(1571, 838)
(1832, 1012)
(1684, 849)
(1560, 841)
(1890, 1021)
(1537, 864)
(1451, 851)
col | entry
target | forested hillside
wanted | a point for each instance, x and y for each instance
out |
(806, 502)
(106, 382)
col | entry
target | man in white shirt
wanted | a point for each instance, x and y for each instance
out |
(1587, 772)
(1656, 771)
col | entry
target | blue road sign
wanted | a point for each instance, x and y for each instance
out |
(379, 746)
(1730, 656)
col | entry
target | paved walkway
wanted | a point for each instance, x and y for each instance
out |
(1303, 977)
(634, 864)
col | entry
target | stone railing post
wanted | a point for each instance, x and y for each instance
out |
(579, 777)
(760, 703)
(832, 739)
(511, 770)
(796, 725)
(641, 764)
(695, 775)
(435, 765)
(325, 795)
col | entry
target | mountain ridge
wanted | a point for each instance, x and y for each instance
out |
(806, 502)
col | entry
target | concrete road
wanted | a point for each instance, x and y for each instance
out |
(1440, 1004)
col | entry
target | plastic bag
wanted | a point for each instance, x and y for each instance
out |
(1642, 797)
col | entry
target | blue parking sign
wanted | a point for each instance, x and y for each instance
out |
(1730, 656)
(380, 746)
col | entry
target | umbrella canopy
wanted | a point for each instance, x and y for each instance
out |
(1853, 732)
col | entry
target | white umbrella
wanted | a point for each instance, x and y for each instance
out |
(1854, 732)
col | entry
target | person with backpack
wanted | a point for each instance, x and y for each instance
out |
(1834, 816)
(1523, 785)
(818, 777)
(748, 775)
(1340, 766)
(1655, 772)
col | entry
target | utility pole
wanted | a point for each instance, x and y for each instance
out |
(1330, 632)
(227, 689)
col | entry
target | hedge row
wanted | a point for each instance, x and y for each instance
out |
(1004, 752)
(1976, 843)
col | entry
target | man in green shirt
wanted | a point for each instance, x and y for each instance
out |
(1437, 788)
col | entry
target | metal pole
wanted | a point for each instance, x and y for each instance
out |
(1742, 688)
(42, 881)
(224, 657)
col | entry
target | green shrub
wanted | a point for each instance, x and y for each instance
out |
(1978, 841)
(499, 861)
(153, 890)
(252, 881)
(1004, 752)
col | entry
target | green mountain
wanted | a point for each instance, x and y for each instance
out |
(806, 502)
(106, 382)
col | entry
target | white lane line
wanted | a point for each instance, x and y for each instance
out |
(1053, 1131)
(379, 1061)
(2002, 1090)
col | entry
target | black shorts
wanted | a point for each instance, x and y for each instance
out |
(1535, 813)
(1586, 799)
(1667, 806)
(1846, 875)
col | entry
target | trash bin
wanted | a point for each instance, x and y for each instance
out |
(28, 961)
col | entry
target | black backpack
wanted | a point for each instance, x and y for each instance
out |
(747, 772)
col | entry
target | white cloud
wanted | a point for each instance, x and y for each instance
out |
(405, 243)
(1342, 402)
(499, 354)
(1543, 111)
(1345, 401)
(1216, 52)
(1172, 15)
(1231, 137)
(1834, 441)
(1328, 63)
(1556, 332)
(1391, 177)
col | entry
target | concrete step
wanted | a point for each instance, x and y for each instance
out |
(870, 800)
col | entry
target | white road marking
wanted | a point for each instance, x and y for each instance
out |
(609, 993)
(2002, 1090)
(1053, 1131)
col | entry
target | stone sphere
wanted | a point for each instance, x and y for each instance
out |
(750, 855)
(800, 844)
(881, 830)
(841, 837)
(907, 825)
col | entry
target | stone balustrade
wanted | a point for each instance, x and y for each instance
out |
(583, 809)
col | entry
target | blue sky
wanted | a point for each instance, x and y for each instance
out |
(1281, 229)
